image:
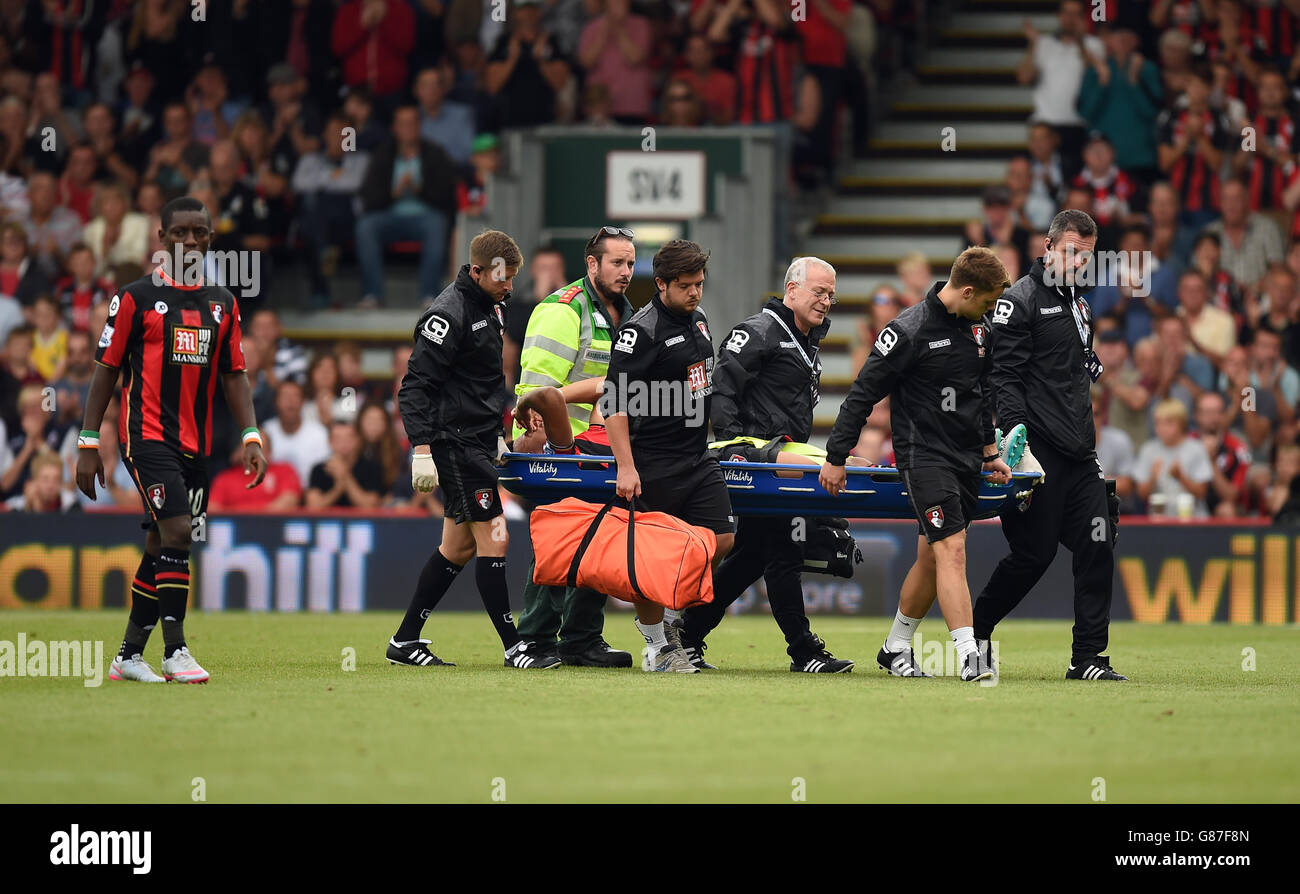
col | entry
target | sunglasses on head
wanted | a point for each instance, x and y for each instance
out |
(609, 231)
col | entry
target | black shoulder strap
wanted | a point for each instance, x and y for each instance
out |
(572, 580)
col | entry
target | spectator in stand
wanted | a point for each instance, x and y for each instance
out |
(1127, 399)
(1276, 390)
(1048, 179)
(1185, 374)
(81, 290)
(614, 50)
(447, 123)
(915, 275)
(280, 490)
(1171, 240)
(257, 360)
(49, 340)
(1211, 331)
(1275, 146)
(300, 441)
(258, 164)
(999, 226)
(359, 108)
(117, 235)
(1056, 66)
(379, 443)
(300, 34)
(1225, 294)
(1172, 467)
(77, 185)
(825, 56)
(469, 85)
(596, 106)
(353, 387)
(1176, 61)
(1113, 191)
(212, 111)
(176, 159)
(140, 116)
(1121, 97)
(13, 130)
(16, 372)
(1032, 209)
(525, 69)
(545, 275)
(293, 124)
(20, 279)
(764, 48)
(38, 432)
(372, 39)
(1193, 140)
(323, 387)
(49, 118)
(346, 479)
(409, 193)
(715, 87)
(1286, 471)
(65, 36)
(325, 185)
(149, 202)
(1277, 309)
(287, 360)
(1249, 241)
(51, 229)
(159, 39)
(885, 306)
(1114, 448)
(71, 388)
(1229, 455)
(242, 219)
(1012, 261)
(682, 106)
(43, 491)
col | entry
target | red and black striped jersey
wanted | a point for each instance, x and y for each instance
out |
(169, 340)
(1196, 183)
(1268, 179)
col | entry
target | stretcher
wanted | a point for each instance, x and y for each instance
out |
(754, 488)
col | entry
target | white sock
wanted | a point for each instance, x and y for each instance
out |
(654, 634)
(670, 615)
(964, 637)
(901, 633)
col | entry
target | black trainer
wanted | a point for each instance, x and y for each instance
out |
(811, 657)
(695, 655)
(1093, 669)
(522, 655)
(900, 664)
(598, 654)
(415, 654)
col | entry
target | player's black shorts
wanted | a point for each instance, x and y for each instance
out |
(171, 483)
(468, 479)
(945, 501)
(698, 496)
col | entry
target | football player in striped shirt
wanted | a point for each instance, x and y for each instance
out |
(170, 338)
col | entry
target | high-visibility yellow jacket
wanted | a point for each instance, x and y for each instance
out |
(568, 339)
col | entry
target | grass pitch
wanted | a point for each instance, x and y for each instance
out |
(283, 721)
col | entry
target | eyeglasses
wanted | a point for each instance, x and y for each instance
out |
(820, 294)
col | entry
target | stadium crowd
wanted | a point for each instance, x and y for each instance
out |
(329, 129)
(1174, 124)
(326, 130)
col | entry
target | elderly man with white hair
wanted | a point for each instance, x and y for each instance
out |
(765, 386)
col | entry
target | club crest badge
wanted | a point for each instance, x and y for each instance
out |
(484, 497)
(934, 515)
(157, 495)
(704, 329)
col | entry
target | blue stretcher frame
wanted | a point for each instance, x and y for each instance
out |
(754, 488)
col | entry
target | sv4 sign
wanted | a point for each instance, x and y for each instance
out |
(655, 185)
